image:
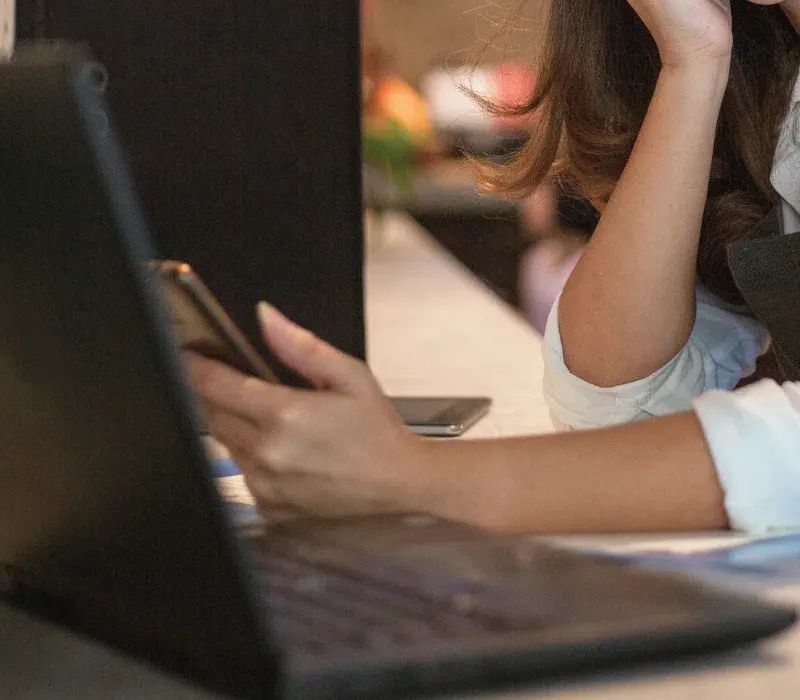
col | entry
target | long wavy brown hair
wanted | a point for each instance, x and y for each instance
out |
(596, 77)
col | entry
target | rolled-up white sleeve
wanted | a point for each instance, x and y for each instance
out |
(753, 435)
(722, 349)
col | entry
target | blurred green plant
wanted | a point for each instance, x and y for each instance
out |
(390, 147)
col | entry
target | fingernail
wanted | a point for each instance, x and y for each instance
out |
(268, 315)
(265, 313)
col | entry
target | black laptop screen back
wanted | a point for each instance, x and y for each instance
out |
(106, 505)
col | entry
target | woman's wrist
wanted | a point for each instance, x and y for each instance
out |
(701, 76)
(715, 45)
(432, 478)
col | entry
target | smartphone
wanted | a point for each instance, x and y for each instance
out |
(201, 324)
(441, 416)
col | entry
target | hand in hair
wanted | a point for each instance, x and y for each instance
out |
(688, 31)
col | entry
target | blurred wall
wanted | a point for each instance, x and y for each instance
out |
(421, 33)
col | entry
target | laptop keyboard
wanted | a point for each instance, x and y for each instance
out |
(392, 583)
(318, 606)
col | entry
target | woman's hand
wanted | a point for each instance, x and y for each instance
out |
(687, 31)
(341, 447)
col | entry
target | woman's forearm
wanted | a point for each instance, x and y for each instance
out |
(629, 305)
(651, 476)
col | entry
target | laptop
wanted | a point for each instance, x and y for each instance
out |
(111, 523)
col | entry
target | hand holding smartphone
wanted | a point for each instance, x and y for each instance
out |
(202, 326)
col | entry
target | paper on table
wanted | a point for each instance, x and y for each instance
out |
(679, 545)
(233, 489)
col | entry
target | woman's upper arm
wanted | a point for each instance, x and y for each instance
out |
(722, 348)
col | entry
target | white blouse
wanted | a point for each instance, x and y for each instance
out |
(753, 433)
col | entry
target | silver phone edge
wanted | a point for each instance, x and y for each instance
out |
(451, 429)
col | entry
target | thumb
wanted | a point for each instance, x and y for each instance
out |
(322, 364)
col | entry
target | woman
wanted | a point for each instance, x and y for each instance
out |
(657, 340)
(733, 460)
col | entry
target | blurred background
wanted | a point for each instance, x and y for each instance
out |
(420, 61)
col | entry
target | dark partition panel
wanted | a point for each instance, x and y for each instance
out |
(241, 118)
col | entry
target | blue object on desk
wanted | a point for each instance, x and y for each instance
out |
(225, 467)
(240, 514)
(775, 559)
(774, 551)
